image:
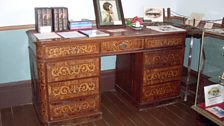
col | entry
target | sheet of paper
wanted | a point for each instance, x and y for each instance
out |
(165, 28)
(71, 34)
(50, 35)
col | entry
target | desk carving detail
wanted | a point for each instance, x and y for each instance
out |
(60, 111)
(157, 92)
(154, 76)
(81, 49)
(72, 69)
(169, 57)
(155, 43)
(75, 88)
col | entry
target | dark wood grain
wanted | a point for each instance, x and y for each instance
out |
(22, 112)
(0, 118)
(7, 117)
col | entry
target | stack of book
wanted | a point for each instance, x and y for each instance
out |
(78, 25)
(51, 19)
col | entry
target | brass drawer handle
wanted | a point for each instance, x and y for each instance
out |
(122, 46)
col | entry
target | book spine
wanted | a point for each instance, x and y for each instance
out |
(60, 19)
(44, 16)
(49, 17)
(55, 19)
(65, 18)
(38, 19)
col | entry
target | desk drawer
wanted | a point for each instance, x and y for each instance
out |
(72, 69)
(160, 91)
(122, 45)
(164, 41)
(161, 75)
(56, 51)
(164, 57)
(74, 108)
(70, 89)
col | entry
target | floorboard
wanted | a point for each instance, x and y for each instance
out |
(117, 111)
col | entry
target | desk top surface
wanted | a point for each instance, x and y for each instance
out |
(120, 33)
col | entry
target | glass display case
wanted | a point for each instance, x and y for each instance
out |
(209, 98)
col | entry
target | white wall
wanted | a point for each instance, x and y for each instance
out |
(213, 9)
(20, 12)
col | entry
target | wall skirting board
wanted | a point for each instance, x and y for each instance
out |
(20, 93)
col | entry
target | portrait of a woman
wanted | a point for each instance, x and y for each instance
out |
(107, 13)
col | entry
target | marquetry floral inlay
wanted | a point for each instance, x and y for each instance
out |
(58, 51)
(152, 43)
(73, 69)
(74, 108)
(161, 91)
(70, 89)
(171, 57)
(152, 76)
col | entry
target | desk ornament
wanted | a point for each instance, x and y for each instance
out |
(136, 23)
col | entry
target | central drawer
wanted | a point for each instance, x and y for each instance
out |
(122, 45)
(72, 69)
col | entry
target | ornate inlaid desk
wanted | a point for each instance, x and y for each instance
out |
(66, 72)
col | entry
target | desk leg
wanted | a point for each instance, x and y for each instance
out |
(189, 68)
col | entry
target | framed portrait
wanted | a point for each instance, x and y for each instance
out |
(109, 13)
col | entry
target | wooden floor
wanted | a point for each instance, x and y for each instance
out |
(117, 111)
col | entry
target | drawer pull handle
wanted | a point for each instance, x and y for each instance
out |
(122, 46)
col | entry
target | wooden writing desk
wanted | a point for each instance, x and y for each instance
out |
(66, 72)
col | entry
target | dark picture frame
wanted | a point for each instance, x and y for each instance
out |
(109, 14)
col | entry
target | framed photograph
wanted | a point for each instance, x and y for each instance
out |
(153, 14)
(109, 14)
